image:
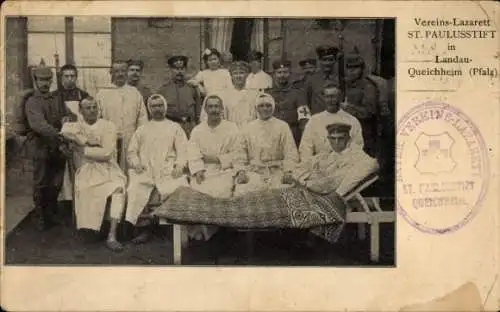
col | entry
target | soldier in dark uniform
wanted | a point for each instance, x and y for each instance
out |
(70, 94)
(367, 100)
(134, 73)
(45, 114)
(308, 68)
(326, 74)
(183, 100)
(291, 104)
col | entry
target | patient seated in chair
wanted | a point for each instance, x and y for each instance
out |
(339, 170)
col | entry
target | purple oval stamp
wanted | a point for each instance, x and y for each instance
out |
(442, 168)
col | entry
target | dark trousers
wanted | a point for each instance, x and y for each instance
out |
(48, 174)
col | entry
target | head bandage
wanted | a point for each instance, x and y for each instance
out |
(153, 97)
(203, 114)
(264, 98)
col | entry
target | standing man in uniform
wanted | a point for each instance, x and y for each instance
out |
(291, 105)
(134, 74)
(308, 68)
(45, 114)
(327, 74)
(367, 100)
(183, 100)
(257, 79)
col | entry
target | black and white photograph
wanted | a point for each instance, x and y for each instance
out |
(199, 141)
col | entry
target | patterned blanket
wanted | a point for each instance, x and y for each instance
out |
(294, 207)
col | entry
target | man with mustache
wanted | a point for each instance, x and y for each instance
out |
(183, 100)
(156, 156)
(367, 100)
(308, 67)
(327, 74)
(45, 114)
(134, 74)
(123, 105)
(291, 105)
(213, 160)
(268, 150)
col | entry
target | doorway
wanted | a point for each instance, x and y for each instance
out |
(241, 38)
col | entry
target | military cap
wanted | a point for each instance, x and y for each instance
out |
(306, 61)
(338, 128)
(354, 60)
(133, 62)
(281, 64)
(177, 61)
(239, 65)
(255, 56)
(43, 72)
(324, 51)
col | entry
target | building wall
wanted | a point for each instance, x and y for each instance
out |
(15, 64)
(134, 38)
(303, 36)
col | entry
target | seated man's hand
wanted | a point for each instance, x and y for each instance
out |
(199, 176)
(287, 178)
(210, 159)
(241, 177)
(93, 141)
(193, 83)
(177, 172)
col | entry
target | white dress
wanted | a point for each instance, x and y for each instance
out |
(214, 81)
(158, 146)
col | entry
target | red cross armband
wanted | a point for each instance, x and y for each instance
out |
(303, 112)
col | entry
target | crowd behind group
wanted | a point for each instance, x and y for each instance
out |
(223, 131)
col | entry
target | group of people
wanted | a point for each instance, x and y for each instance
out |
(224, 132)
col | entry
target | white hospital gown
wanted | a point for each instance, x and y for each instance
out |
(269, 150)
(98, 176)
(333, 171)
(125, 108)
(159, 146)
(315, 137)
(222, 141)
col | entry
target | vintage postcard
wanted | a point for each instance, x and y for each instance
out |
(250, 155)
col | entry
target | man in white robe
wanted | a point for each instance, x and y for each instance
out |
(157, 157)
(339, 170)
(214, 151)
(268, 149)
(98, 178)
(315, 137)
(123, 105)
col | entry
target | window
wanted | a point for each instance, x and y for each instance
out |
(87, 39)
(45, 40)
